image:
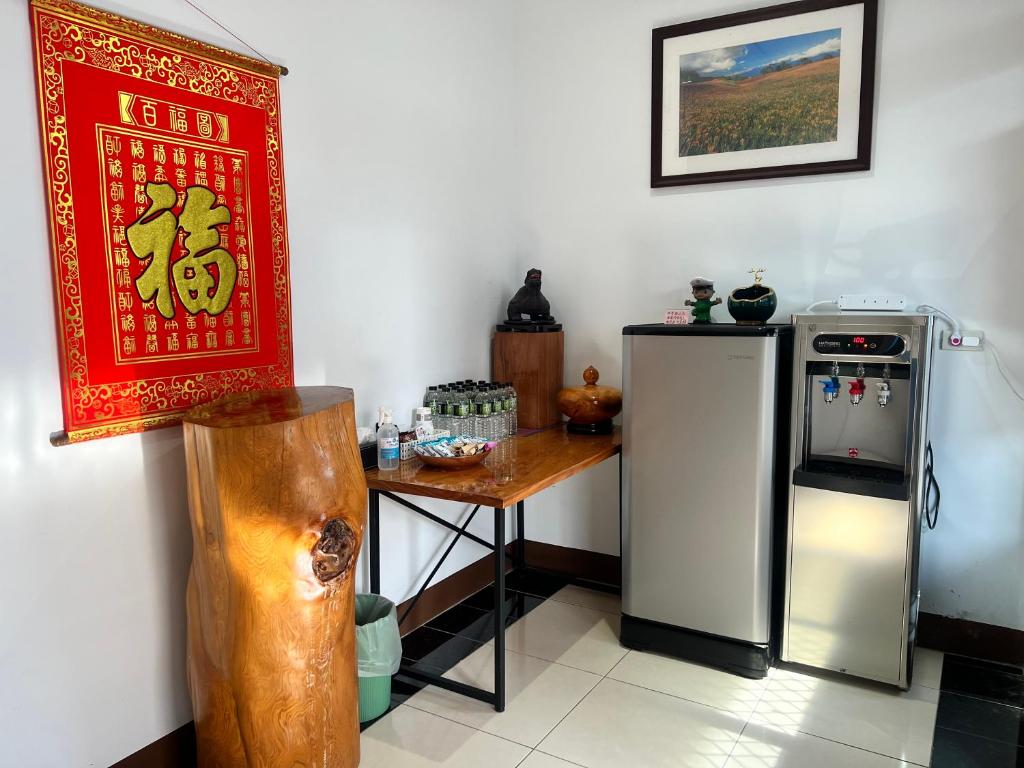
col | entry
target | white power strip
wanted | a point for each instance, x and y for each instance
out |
(872, 302)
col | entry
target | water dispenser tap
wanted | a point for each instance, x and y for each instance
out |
(884, 393)
(856, 391)
(830, 388)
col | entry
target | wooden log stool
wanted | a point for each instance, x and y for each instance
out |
(276, 495)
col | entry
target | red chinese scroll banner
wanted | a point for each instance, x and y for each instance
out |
(167, 219)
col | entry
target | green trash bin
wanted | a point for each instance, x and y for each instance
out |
(378, 653)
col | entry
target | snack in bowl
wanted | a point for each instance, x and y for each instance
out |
(453, 452)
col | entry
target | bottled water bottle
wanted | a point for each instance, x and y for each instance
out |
(482, 410)
(498, 426)
(444, 404)
(461, 416)
(430, 399)
(511, 408)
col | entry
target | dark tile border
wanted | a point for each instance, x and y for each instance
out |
(980, 718)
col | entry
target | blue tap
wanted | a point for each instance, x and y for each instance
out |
(830, 388)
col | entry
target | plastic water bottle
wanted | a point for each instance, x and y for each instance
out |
(482, 411)
(444, 408)
(511, 408)
(430, 398)
(461, 412)
(387, 442)
(499, 429)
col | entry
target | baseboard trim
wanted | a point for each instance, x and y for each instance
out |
(970, 638)
(451, 590)
(578, 563)
(175, 750)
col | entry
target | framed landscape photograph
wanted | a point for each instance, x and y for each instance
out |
(780, 91)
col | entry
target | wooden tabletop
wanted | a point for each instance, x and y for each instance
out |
(516, 469)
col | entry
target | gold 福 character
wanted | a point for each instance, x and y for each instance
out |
(159, 154)
(151, 343)
(138, 151)
(179, 156)
(191, 341)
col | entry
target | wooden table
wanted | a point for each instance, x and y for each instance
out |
(517, 469)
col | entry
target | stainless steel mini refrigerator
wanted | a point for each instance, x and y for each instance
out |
(703, 446)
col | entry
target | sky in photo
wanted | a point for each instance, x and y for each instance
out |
(752, 57)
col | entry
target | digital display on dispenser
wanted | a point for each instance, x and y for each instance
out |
(878, 344)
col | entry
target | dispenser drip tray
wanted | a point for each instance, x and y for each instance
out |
(865, 478)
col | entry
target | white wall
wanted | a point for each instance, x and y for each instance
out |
(398, 134)
(940, 218)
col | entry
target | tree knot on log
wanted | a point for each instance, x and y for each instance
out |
(334, 552)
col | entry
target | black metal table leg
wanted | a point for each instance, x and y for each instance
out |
(499, 609)
(520, 535)
(374, 542)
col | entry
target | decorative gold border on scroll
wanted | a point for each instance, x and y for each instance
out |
(93, 411)
(156, 35)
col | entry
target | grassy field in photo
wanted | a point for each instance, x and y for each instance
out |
(797, 105)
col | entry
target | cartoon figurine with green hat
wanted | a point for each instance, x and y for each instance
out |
(703, 290)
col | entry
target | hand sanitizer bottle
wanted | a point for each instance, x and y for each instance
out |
(387, 442)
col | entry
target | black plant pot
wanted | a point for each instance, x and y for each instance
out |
(753, 305)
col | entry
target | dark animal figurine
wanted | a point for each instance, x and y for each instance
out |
(530, 301)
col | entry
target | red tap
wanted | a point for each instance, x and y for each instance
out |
(856, 390)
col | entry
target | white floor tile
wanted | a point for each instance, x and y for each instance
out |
(409, 738)
(538, 694)
(620, 725)
(761, 747)
(704, 685)
(889, 722)
(569, 634)
(928, 667)
(589, 598)
(540, 760)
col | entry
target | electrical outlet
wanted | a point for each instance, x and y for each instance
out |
(872, 302)
(967, 341)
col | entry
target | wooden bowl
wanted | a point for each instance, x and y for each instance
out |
(454, 462)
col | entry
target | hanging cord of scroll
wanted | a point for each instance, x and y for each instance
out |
(284, 69)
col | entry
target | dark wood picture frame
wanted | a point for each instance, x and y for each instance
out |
(861, 162)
